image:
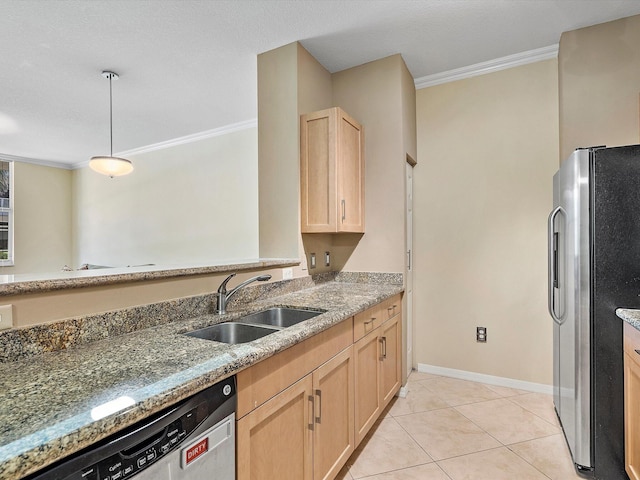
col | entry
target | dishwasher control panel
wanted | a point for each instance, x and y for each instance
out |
(187, 429)
(132, 460)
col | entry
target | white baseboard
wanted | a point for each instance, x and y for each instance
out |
(489, 379)
(402, 393)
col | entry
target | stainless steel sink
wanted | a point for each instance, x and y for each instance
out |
(280, 317)
(231, 332)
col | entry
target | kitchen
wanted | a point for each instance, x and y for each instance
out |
(466, 275)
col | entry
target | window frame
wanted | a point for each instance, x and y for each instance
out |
(9, 262)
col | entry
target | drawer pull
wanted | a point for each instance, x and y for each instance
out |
(370, 321)
(319, 395)
(383, 347)
(638, 352)
(312, 411)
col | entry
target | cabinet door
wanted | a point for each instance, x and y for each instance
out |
(367, 377)
(318, 194)
(333, 436)
(350, 174)
(390, 339)
(275, 440)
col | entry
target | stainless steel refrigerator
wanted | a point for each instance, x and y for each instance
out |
(594, 268)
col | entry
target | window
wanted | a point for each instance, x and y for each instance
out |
(6, 213)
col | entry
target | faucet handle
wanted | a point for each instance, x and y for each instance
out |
(223, 286)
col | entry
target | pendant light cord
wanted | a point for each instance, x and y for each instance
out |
(111, 114)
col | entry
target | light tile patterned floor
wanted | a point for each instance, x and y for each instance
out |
(450, 429)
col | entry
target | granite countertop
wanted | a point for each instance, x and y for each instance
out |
(47, 401)
(64, 280)
(629, 315)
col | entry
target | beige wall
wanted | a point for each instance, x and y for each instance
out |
(377, 95)
(487, 150)
(599, 73)
(190, 203)
(278, 152)
(42, 219)
(372, 94)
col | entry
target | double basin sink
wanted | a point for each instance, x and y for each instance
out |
(254, 326)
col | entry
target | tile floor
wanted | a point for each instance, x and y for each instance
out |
(449, 429)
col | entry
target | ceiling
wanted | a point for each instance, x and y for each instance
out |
(189, 66)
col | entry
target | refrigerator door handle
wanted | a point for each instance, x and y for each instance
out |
(553, 254)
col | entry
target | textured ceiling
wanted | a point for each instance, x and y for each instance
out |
(189, 66)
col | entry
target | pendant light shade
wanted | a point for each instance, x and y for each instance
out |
(110, 165)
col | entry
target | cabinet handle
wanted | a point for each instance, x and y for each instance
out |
(370, 321)
(383, 341)
(344, 210)
(312, 411)
(319, 395)
(638, 352)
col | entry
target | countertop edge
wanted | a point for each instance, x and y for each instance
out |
(101, 277)
(629, 315)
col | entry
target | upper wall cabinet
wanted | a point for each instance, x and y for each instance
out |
(331, 172)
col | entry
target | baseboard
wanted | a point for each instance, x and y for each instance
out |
(402, 393)
(489, 379)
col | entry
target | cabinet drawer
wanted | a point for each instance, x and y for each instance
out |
(260, 382)
(391, 307)
(367, 321)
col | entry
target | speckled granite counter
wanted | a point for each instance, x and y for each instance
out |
(631, 316)
(46, 401)
(64, 280)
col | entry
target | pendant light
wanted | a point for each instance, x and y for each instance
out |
(110, 165)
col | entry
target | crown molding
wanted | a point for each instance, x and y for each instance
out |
(216, 132)
(502, 63)
(35, 161)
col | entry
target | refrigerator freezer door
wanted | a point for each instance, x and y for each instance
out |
(569, 303)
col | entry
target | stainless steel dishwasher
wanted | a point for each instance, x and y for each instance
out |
(192, 440)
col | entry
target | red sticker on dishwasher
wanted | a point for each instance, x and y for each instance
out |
(192, 453)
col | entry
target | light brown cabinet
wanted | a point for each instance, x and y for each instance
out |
(367, 376)
(632, 401)
(302, 412)
(377, 362)
(333, 434)
(331, 172)
(304, 432)
(274, 440)
(390, 362)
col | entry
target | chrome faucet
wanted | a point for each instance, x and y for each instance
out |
(222, 297)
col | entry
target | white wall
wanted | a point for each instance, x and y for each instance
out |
(190, 203)
(487, 152)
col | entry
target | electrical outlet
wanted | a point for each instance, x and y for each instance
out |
(481, 334)
(327, 259)
(6, 317)
(312, 260)
(287, 273)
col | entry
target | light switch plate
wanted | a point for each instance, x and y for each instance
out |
(312, 260)
(287, 273)
(327, 259)
(6, 317)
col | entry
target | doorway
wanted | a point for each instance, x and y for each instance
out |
(411, 163)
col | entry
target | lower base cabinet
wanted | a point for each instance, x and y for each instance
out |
(301, 419)
(304, 432)
(378, 372)
(390, 361)
(274, 440)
